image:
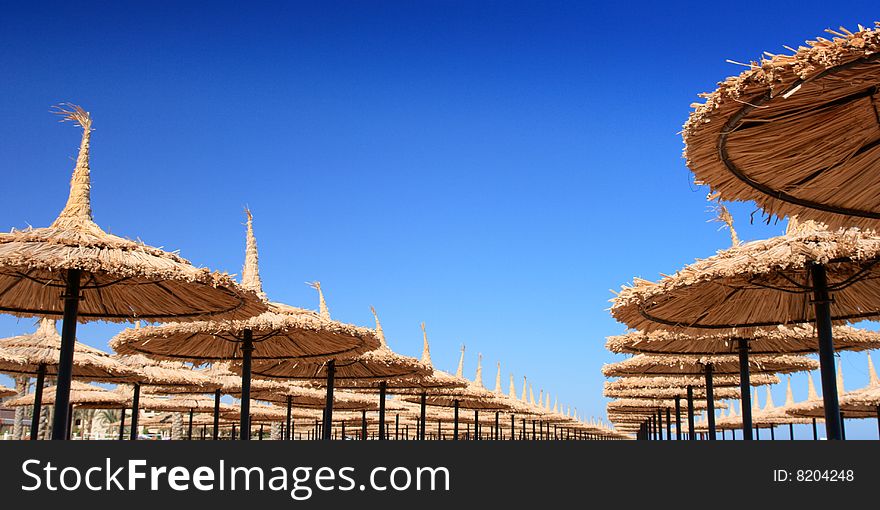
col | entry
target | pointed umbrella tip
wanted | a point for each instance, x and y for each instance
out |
(77, 211)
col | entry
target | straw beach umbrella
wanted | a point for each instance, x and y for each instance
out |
(797, 133)
(268, 336)
(40, 353)
(694, 364)
(81, 395)
(798, 339)
(474, 396)
(681, 381)
(786, 280)
(378, 370)
(861, 403)
(155, 373)
(102, 276)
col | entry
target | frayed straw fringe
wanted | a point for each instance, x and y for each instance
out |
(798, 140)
(694, 364)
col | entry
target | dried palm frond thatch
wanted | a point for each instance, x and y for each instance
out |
(122, 280)
(797, 133)
(694, 364)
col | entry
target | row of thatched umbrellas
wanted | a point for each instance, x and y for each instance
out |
(258, 349)
(798, 135)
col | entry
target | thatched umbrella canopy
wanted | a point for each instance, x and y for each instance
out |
(7, 392)
(647, 406)
(693, 364)
(861, 403)
(81, 395)
(40, 354)
(797, 133)
(651, 365)
(365, 371)
(668, 392)
(771, 415)
(41, 350)
(380, 370)
(474, 396)
(280, 333)
(683, 381)
(796, 339)
(304, 397)
(807, 275)
(102, 276)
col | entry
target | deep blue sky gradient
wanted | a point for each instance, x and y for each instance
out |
(490, 168)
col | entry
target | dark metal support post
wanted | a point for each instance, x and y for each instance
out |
(710, 402)
(791, 431)
(247, 349)
(287, 434)
(189, 430)
(455, 421)
(815, 431)
(65, 362)
(422, 420)
(678, 418)
(476, 424)
(364, 425)
(383, 387)
(745, 389)
(216, 415)
(690, 397)
(822, 304)
(668, 424)
(38, 401)
(328, 405)
(497, 428)
(135, 410)
(122, 424)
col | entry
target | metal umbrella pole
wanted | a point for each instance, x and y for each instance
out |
(71, 298)
(383, 387)
(38, 401)
(822, 305)
(678, 418)
(216, 415)
(328, 409)
(710, 401)
(135, 405)
(455, 421)
(122, 424)
(364, 425)
(668, 425)
(422, 420)
(745, 389)
(247, 349)
(690, 398)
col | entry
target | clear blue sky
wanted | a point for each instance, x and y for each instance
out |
(490, 168)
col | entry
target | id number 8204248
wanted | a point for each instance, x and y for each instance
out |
(814, 475)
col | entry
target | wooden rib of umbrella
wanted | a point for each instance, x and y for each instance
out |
(40, 353)
(861, 403)
(283, 332)
(808, 275)
(797, 133)
(81, 395)
(380, 370)
(75, 270)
